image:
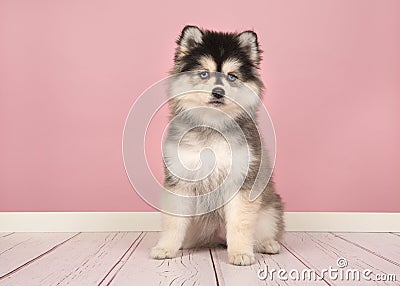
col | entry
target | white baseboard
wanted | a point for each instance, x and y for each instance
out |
(150, 221)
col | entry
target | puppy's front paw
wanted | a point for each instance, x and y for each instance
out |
(241, 258)
(162, 253)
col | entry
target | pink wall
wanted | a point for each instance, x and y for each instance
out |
(70, 70)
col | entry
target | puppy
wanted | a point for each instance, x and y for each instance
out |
(221, 70)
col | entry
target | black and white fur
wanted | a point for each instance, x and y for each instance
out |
(244, 226)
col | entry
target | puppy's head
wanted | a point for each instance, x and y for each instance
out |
(220, 70)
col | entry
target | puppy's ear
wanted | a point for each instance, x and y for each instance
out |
(248, 41)
(190, 37)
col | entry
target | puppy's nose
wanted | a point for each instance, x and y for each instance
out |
(218, 92)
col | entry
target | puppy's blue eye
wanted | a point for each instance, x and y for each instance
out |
(231, 77)
(204, 74)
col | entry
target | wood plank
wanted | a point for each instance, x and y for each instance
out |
(384, 245)
(4, 234)
(9, 241)
(321, 250)
(229, 274)
(84, 260)
(137, 268)
(20, 248)
(110, 275)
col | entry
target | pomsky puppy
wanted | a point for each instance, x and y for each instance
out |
(226, 64)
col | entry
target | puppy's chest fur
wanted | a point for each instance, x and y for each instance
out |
(205, 149)
(207, 157)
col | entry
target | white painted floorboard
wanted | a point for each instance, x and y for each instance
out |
(19, 249)
(247, 275)
(385, 245)
(122, 258)
(321, 250)
(189, 268)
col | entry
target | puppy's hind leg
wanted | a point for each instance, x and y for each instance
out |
(268, 231)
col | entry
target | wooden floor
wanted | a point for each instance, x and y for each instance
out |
(123, 259)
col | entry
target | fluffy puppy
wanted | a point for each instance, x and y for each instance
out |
(226, 65)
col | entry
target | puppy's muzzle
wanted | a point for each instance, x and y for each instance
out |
(218, 92)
